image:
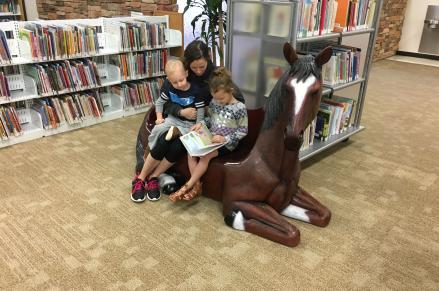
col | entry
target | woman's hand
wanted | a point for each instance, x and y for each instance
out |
(196, 127)
(189, 113)
(218, 139)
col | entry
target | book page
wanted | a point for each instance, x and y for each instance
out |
(199, 143)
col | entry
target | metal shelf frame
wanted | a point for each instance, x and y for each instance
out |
(265, 5)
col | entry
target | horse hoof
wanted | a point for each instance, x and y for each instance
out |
(235, 220)
(170, 188)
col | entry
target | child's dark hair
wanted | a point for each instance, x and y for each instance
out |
(221, 79)
(196, 50)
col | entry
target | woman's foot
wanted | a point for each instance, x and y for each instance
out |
(178, 195)
(138, 190)
(194, 192)
(153, 189)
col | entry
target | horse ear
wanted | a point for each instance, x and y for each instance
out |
(324, 56)
(290, 54)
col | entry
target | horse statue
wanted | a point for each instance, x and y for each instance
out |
(258, 182)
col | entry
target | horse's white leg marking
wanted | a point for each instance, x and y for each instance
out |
(300, 90)
(238, 222)
(296, 212)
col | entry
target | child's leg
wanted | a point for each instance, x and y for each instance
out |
(201, 168)
(194, 183)
(192, 163)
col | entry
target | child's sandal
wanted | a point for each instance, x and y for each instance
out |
(194, 192)
(178, 195)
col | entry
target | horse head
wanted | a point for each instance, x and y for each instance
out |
(304, 85)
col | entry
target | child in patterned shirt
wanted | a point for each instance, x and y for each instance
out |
(228, 123)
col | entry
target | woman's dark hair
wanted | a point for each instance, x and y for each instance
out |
(197, 49)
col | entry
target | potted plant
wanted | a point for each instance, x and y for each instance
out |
(212, 19)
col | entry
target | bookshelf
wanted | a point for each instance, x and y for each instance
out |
(257, 30)
(11, 10)
(63, 75)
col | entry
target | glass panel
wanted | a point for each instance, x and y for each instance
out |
(245, 63)
(247, 17)
(274, 65)
(279, 20)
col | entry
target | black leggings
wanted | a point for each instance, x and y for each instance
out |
(172, 150)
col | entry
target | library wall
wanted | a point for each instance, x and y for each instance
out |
(71, 9)
(390, 30)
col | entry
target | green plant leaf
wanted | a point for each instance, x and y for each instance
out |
(209, 20)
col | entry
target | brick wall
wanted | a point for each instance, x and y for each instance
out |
(71, 9)
(387, 42)
(392, 18)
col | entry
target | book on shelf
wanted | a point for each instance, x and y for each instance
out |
(4, 131)
(354, 14)
(141, 64)
(343, 66)
(5, 93)
(322, 17)
(350, 109)
(199, 143)
(5, 53)
(308, 135)
(335, 116)
(10, 122)
(64, 76)
(139, 93)
(336, 125)
(51, 42)
(342, 15)
(138, 34)
(70, 109)
(317, 17)
(323, 121)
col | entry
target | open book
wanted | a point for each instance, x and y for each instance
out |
(199, 143)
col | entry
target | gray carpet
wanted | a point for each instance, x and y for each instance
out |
(67, 223)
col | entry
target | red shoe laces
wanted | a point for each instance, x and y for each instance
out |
(138, 185)
(153, 184)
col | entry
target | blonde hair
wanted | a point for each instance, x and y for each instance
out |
(174, 65)
(221, 79)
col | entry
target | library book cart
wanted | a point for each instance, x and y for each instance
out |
(257, 31)
(60, 75)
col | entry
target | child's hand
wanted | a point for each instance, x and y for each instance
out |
(158, 121)
(196, 127)
(218, 139)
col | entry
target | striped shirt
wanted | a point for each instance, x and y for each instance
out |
(189, 98)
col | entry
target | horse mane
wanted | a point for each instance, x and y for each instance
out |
(301, 70)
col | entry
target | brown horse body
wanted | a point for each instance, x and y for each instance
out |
(259, 182)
